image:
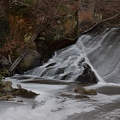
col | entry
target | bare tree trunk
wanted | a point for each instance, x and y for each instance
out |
(34, 36)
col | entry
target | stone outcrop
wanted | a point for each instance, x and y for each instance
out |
(31, 59)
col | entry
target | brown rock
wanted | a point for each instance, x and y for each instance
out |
(82, 90)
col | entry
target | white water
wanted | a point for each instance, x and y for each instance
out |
(101, 52)
(66, 63)
(50, 105)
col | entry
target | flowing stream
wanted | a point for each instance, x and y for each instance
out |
(102, 52)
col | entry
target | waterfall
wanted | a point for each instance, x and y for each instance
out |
(63, 65)
(103, 51)
(100, 50)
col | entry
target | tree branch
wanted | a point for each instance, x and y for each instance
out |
(107, 19)
(38, 30)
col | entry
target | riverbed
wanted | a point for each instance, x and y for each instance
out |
(49, 104)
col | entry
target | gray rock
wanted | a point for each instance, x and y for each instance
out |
(31, 60)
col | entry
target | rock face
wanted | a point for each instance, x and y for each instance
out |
(31, 59)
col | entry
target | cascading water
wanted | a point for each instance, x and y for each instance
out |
(101, 52)
(63, 65)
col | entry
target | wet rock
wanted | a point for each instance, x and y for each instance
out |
(51, 64)
(31, 60)
(81, 61)
(24, 93)
(88, 76)
(7, 87)
(19, 86)
(90, 92)
(6, 90)
(66, 76)
(84, 91)
(60, 70)
(5, 72)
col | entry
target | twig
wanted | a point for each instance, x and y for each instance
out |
(100, 23)
(9, 58)
(5, 58)
(89, 28)
(84, 32)
(70, 38)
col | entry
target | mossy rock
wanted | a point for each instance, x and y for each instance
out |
(5, 72)
(25, 93)
(84, 91)
(6, 86)
(31, 60)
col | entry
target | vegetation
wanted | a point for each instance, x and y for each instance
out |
(20, 18)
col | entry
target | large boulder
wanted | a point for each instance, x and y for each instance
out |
(31, 60)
